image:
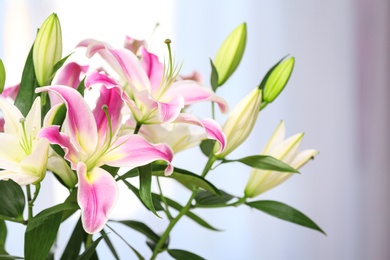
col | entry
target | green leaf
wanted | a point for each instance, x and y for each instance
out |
(183, 255)
(205, 199)
(58, 65)
(190, 215)
(26, 94)
(12, 200)
(3, 257)
(72, 198)
(145, 184)
(129, 174)
(42, 231)
(285, 212)
(90, 251)
(230, 53)
(109, 244)
(207, 147)
(2, 76)
(264, 162)
(214, 76)
(81, 87)
(142, 228)
(156, 201)
(3, 236)
(188, 179)
(73, 247)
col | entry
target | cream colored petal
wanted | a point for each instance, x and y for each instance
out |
(10, 151)
(12, 117)
(303, 157)
(35, 163)
(276, 138)
(18, 176)
(33, 119)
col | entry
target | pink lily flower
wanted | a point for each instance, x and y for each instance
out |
(91, 140)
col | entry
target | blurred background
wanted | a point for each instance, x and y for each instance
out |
(338, 95)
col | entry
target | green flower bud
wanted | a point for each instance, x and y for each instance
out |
(47, 49)
(240, 122)
(276, 79)
(230, 53)
(2, 76)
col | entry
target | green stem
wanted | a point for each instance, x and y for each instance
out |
(164, 200)
(213, 110)
(88, 241)
(182, 212)
(137, 128)
(21, 221)
(30, 202)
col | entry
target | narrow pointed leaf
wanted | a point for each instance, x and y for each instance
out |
(207, 147)
(3, 236)
(145, 184)
(109, 244)
(156, 202)
(91, 250)
(2, 76)
(142, 228)
(129, 174)
(12, 200)
(213, 77)
(26, 94)
(265, 162)
(42, 231)
(59, 64)
(285, 212)
(205, 199)
(191, 215)
(73, 247)
(182, 254)
(188, 179)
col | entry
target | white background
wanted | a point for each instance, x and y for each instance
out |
(338, 95)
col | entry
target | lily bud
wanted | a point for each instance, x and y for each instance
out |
(47, 49)
(2, 76)
(230, 53)
(240, 122)
(282, 149)
(276, 79)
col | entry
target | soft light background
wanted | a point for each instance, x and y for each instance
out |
(338, 95)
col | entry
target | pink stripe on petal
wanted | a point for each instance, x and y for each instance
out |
(153, 68)
(212, 128)
(79, 118)
(97, 194)
(54, 136)
(168, 112)
(133, 151)
(192, 93)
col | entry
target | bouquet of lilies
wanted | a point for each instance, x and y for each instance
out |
(133, 130)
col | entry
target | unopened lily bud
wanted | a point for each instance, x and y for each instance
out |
(276, 79)
(282, 149)
(2, 76)
(230, 53)
(47, 49)
(240, 122)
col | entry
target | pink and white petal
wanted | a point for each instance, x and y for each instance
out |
(11, 92)
(80, 121)
(132, 44)
(212, 128)
(112, 99)
(192, 93)
(133, 151)
(168, 112)
(97, 195)
(153, 68)
(54, 136)
(12, 117)
(131, 69)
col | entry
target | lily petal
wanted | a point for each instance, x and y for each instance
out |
(133, 151)
(192, 93)
(97, 194)
(212, 128)
(12, 117)
(79, 118)
(153, 68)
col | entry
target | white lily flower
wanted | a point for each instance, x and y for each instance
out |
(282, 149)
(23, 157)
